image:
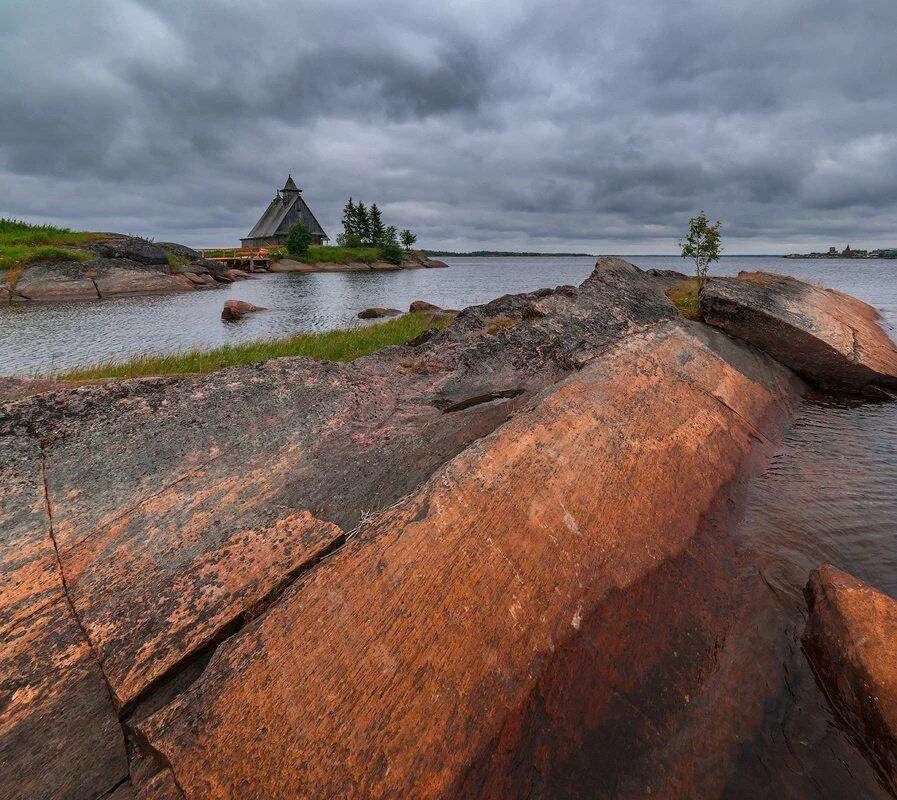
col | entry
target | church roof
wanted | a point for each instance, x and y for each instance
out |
(275, 221)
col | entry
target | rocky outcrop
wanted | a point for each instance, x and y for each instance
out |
(829, 338)
(496, 562)
(378, 312)
(403, 565)
(127, 265)
(237, 309)
(131, 248)
(851, 641)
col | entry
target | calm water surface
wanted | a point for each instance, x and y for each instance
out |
(829, 495)
(51, 337)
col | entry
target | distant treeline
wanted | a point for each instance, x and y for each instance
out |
(502, 254)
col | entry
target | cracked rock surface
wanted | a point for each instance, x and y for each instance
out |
(390, 577)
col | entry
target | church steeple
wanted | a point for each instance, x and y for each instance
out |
(290, 185)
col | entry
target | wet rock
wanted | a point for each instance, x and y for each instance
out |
(435, 653)
(377, 312)
(132, 248)
(851, 641)
(829, 338)
(422, 305)
(384, 266)
(61, 281)
(237, 309)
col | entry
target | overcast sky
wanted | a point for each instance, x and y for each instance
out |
(594, 125)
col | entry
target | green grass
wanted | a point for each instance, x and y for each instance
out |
(685, 297)
(341, 345)
(322, 254)
(176, 262)
(22, 244)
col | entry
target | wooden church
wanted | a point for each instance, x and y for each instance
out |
(286, 208)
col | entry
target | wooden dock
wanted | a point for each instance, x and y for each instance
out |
(249, 259)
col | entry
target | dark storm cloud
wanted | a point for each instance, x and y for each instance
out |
(595, 125)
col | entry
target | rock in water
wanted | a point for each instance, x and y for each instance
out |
(377, 312)
(237, 309)
(851, 641)
(831, 339)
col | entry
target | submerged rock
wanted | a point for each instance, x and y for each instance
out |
(851, 641)
(831, 339)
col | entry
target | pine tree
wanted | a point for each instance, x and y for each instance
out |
(378, 232)
(362, 223)
(408, 239)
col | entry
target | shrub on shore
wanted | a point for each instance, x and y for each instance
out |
(339, 345)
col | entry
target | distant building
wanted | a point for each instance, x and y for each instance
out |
(285, 209)
(833, 251)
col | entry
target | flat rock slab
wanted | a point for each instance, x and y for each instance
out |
(427, 657)
(66, 280)
(59, 734)
(851, 640)
(829, 338)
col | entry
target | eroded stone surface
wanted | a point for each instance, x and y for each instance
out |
(426, 656)
(59, 735)
(851, 640)
(176, 503)
(829, 338)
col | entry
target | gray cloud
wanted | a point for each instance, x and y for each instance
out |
(593, 125)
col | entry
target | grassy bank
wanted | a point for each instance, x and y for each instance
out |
(22, 244)
(322, 254)
(341, 345)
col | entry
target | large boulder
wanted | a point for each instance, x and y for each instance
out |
(831, 339)
(237, 309)
(132, 248)
(851, 641)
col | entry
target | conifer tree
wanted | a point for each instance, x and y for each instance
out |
(362, 223)
(378, 232)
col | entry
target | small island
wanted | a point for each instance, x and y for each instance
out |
(847, 252)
